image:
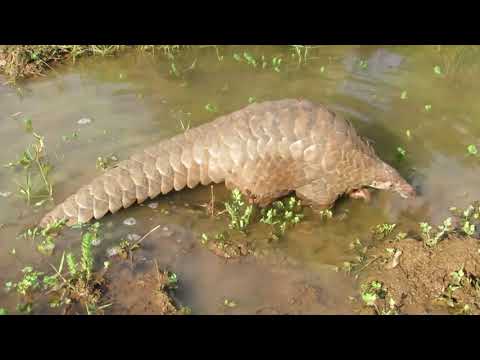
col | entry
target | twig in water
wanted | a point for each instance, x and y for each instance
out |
(144, 236)
(368, 264)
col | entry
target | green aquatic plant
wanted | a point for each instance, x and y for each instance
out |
(27, 123)
(374, 291)
(34, 163)
(172, 280)
(105, 162)
(326, 213)
(47, 236)
(363, 64)
(276, 62)
(250, 59)
(469, 218)
(29, 282)
(211, 108)
(240, 213)
(87, 257)
(402, 153)
(229, 303)
(457, 281)
(430, 238)
(468, 229)
(77, 285)
(472, 149)
(282, 214)
(72, 265)
(381, 231)
(302, 52)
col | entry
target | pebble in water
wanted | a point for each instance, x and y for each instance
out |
(5, 194)
(84, 121)
(167, 231)
(133, 237)
(153, 205)
(114, 251)
(96, 241)
(129, 221)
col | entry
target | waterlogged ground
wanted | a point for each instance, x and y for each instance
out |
(419, 99)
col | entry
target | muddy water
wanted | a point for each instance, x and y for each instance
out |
(135, 101)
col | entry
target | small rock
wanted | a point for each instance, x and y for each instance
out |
(129, 221)
(5, 194)
(395, 260)
(167, 231)
(153, 205)
(114, 251)
(133, 237)
(96, 242)
(84, 121)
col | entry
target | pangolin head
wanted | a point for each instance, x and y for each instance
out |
(387, 178)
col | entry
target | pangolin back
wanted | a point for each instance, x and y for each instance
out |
(265, 149)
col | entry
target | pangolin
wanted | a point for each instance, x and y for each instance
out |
(266, 150)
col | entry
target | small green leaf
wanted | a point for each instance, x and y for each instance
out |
(437, 70)
(27, 122)
(363, 64)
(472, 149)
(211, 108)
(369, 298)
(428, 107)
(229, 303)
(204, 239)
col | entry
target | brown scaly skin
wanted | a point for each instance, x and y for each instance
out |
(266, 150)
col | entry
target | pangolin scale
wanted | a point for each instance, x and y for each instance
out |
(266, 150)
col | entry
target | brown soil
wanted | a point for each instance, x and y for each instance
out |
(422, 280)
(147, 292)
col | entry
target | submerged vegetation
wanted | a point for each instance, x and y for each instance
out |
(281, 215)
(240, 213)
(73, 284)
(35, 184)
(79, 284)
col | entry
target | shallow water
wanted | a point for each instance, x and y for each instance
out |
(134, 101)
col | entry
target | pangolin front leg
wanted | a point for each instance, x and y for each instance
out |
(317, 195)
